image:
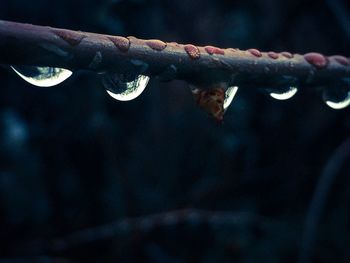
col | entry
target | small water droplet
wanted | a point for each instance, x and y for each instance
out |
(284, 94)
(124, 88)
(229, 95)
(337, 97)
(42, 76)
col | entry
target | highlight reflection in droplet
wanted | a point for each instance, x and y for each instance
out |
(229, 95)
(42, 76)
(339, 105)
(122, 90)
(285, 95)
(337, 100)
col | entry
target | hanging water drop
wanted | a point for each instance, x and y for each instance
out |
(229, 95)
(124, 88)
(215, 99)
(42, 76)
(284, 94)
(281, 87)
(337, 97)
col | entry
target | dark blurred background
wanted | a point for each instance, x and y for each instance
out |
(72, 158)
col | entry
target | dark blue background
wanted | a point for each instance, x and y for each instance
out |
(72, 158)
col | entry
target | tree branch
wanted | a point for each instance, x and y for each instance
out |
(24, 44)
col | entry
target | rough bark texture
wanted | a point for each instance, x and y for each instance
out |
(38, 45)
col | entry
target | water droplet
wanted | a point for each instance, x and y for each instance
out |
(284, 94)
(337, 97)
(42, 76)
(124, 88)
(229, 95)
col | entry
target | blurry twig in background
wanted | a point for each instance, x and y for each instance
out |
(340, 13)
(323, 187)
(147, 223)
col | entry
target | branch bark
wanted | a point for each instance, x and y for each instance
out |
(25, 44)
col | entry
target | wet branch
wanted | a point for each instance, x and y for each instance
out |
(24, 44)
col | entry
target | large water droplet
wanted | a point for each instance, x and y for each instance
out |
(229, 95)
(337, 97)
(42, 76)
(124, 88)
(284, 94)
